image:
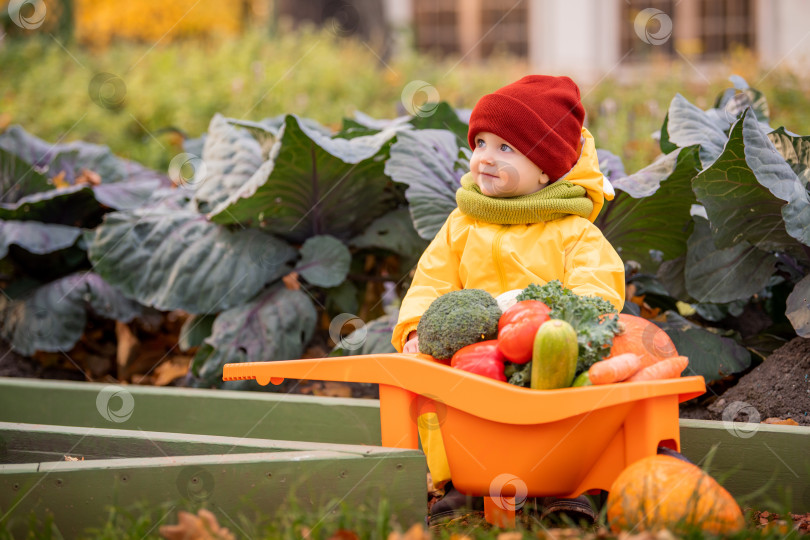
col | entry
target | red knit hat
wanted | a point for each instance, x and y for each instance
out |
(541, 116)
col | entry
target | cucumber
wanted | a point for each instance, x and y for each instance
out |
(554, 357)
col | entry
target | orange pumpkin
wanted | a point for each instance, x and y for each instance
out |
(663, 492)
(643, 338)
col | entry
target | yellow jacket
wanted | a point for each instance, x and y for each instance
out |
(471, 254)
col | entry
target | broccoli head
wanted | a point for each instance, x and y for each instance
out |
(457, 319)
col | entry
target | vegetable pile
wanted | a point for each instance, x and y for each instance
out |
(550, 338)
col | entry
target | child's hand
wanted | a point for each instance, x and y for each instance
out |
(412, 345)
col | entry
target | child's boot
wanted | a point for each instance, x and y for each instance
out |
(576, 510)
(453, 504)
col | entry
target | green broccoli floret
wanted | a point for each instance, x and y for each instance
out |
(457, 319)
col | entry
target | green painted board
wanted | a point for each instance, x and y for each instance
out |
(33, 443)
(761, 465)
(262, 415)
(773, 460)
(76, 494)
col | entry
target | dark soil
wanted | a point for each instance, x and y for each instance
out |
(14, 365)
(778, 388)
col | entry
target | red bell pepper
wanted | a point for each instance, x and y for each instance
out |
(517, 328)
(482, 358)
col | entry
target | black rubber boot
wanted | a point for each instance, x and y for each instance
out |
(558, 511)
(453, 504)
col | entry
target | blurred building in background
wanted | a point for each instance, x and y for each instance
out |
(590, 38)
(587, 39)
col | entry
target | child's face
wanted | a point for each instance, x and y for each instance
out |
(500, 170)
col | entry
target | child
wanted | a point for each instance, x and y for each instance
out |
(525, 213)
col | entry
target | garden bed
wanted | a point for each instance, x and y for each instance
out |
(72, 453)
(757, 463)
(777, 388)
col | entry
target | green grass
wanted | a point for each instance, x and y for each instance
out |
(291, 522)
(311, 73)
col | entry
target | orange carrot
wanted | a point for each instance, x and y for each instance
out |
(669, 368)
(614, 369)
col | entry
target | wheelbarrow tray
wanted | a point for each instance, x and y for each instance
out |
(503, 440)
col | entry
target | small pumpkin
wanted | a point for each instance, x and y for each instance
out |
(639, 336)
(663, 492)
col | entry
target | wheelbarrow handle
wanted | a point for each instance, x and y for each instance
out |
(423, 375)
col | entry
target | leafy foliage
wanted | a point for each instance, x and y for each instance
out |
(431, 164)
(185, 261)
(585, 313)
(52, 317)
(734, 195)
(312, 185)
(719, 221)
(51, 193)
(275, 326)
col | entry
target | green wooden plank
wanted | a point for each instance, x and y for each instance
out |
(187, 410)
(750, 458)
(26, 443)
(256, 486)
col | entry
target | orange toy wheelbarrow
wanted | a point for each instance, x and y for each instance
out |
(502, 441)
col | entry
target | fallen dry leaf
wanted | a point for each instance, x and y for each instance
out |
(780, 421)
(344, 534)
(646, 311)
(432, 489)
(59, 181)
(203, 526)
(416, 532)
(291, 281)
(88, 177)
(128, 349)
(173, 368)
(71, 458)
(333, 389)
(511, 535)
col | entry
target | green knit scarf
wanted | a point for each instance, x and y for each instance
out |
(552, 202)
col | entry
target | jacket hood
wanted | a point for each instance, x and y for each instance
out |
(586, 173)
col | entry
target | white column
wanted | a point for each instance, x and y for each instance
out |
(398, 15)
(783, 37)
(579, 38)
